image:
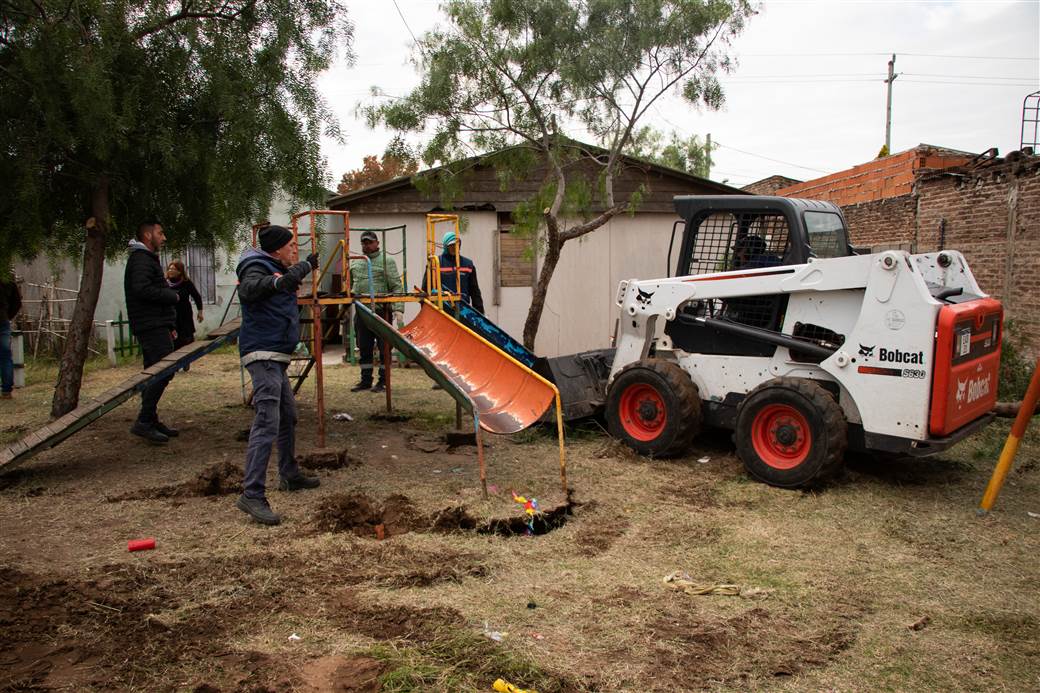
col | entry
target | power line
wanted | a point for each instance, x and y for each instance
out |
(971, 84)
(934, 74)
(967, 57)
(406, 24)
(778, 161)
(915, 55)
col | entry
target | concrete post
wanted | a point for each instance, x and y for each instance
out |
(110, 342)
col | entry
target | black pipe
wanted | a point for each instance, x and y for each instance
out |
(766, 336)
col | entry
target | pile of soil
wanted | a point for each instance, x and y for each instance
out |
(357, 513)
(222, 479)
(325, 458)
(218, 480)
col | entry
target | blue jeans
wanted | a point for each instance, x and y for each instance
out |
(275, 420)
(6, 359)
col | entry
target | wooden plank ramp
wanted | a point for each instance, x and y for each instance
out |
(93, 408)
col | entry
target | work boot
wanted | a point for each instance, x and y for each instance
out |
(298, 482)
(379, 387)
(6, 395)
(149, 432)
(362, 386)
(166, 430)
(258, 509)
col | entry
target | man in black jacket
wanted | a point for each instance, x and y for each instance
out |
(10, 304)
(267, 287)
(150, 307)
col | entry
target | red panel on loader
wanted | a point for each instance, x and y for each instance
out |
(967, 364)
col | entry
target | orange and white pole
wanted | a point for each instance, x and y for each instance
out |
(1018, 430)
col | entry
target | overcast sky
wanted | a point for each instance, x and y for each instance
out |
(807, 97)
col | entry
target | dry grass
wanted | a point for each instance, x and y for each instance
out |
(846, 569)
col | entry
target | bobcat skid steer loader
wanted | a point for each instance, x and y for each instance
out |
(775, 328)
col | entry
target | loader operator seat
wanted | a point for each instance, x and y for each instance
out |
(749, 252)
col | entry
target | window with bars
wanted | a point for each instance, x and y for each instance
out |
(201, 267)
(726, 242)
(749, 240)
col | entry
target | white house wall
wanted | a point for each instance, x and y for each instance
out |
(580, 312)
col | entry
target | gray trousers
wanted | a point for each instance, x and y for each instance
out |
(274, 420)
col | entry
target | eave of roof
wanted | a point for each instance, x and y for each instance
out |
(406, 181)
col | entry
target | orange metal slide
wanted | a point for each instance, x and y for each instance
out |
(508, 396)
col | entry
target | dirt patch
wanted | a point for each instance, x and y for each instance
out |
(450, 442)
(59, 633)
(445, 569)
(755, 644)
(599, 534)
(343, 675)
(359, 514)
(393, 417)
(221, 479)
(392, 622)
(325, 458)
(691, 494)
(16, 481)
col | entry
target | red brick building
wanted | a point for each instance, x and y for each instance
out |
(929, 198)
(769, 186)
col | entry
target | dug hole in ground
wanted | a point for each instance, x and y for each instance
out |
(884, 579)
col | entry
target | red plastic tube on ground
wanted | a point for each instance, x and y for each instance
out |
(140, 544)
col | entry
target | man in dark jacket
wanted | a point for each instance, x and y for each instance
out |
(150, 309)
(466, 270)
(269, 335)
(10, 304)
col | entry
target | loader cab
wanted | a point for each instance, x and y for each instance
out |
(734, 233)
(783, 231)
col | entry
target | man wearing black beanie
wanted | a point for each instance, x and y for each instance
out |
(269, 335)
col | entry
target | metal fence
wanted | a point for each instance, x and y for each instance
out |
(121, 342)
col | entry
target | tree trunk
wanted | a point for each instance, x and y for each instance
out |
(541, 290)
(70, 373)
(1009, 410)
(555, 238)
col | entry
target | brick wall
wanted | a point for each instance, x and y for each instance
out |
(769, 186)
(891, 176)
(992, 215)
(882, 224)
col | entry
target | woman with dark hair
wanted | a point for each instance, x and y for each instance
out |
(179, 281)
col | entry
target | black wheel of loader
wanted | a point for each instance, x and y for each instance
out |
(654, 408)
(791, 432)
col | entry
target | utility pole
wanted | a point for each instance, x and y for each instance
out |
(707, 146)
(888, 112)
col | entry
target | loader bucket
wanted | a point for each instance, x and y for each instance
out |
(508, 396)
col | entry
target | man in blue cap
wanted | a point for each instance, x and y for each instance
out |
(267, 286)
(465, 269)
